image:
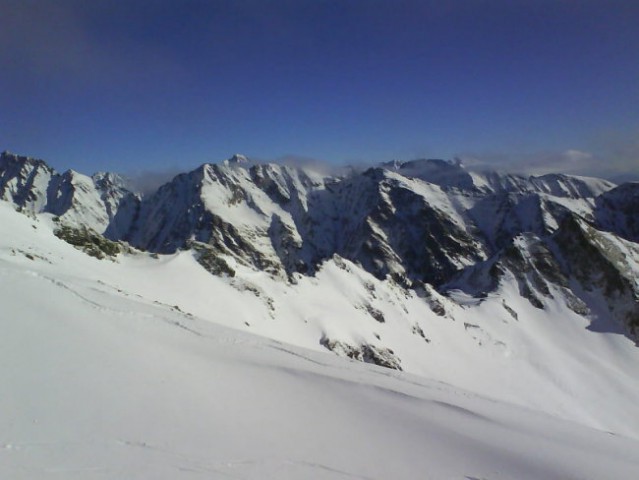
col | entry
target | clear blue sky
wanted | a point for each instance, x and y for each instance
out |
(137, 85)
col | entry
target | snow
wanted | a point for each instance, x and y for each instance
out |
(433, 195)
(146, 368)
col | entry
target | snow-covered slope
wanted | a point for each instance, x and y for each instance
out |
(128, 369)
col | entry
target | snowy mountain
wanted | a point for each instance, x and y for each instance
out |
(426, 221)
(391, 221)
(101, 202)
(423, 224)
(156, 330)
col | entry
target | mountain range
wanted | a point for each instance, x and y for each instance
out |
(428, 225)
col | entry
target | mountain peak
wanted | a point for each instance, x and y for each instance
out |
(237, 159)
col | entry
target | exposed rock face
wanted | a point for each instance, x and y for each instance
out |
(581, 264)
(211, 262)
(618, 211)
(90, 242)
(604, 266)
(381, 356)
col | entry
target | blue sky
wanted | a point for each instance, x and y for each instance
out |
(154, 84)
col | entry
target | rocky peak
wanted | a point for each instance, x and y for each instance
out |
(24, 181)
(10, 160)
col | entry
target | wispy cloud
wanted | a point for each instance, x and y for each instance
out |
(568, 161)
(318, 165)
(321, 166)
(616, 160)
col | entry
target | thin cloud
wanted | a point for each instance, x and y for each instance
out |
(147, 182)
(323, 167)
(571, 161)
(317, 165)
(613, 155)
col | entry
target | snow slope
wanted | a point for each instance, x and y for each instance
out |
(128, 369)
